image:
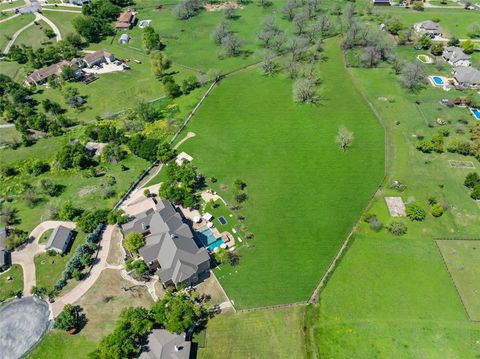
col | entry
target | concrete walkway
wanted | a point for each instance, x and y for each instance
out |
(7, 125)
(9, 18)
(61, 10)
(14, 37)
(25, 254)
(99, 265)
(54, 27)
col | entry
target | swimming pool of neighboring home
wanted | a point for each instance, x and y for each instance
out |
(475, 112)
(208, 239)
(438, 80)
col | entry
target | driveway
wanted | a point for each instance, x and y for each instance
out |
(25, 254)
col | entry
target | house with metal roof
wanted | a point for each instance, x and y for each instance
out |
(170, 246)
(60, 240)
(455, 56)
(466, 77)
(161, 344)
(98, 57)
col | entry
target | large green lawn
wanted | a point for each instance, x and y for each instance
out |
(305, 194)
(392, 297)
(11, 282)
(34, 36)
(63, 20)
(259, 334)
(8, 28)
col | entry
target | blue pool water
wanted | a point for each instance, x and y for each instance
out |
(437, 80)
(222, 220)
(475, 113)
(205, 235)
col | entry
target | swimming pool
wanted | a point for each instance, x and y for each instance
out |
(205, 235)
(222, 220)
(475, 112)
(437, 80)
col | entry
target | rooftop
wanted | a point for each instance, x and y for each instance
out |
(165, 345)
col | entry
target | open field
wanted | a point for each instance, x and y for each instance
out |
(461, 259)
(102, 305)
(449, 18)
(63, 20)
(250, 128)
(13, 70)
(261, 334)
(34, 36)
(8, 28)
(390, 296)
(15, 285)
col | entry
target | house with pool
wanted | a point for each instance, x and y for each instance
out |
(170, 246)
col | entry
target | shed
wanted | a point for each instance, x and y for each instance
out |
(124, 38)
(60, 239)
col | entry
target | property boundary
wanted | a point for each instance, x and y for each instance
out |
(276, 306)
(450, 273)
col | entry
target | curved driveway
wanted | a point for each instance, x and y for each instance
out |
(25, 254)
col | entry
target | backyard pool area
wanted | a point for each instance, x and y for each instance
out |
(475, 112)
(438, 80)
(206, 237)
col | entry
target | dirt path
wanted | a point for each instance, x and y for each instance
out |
(24, 256)
(100, 264)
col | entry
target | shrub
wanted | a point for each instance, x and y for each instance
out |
(425, 146)
(133, 241)
(67, 319)
(415, 212)
(437, 210)
(418, 6)
(472, 180)
(476, 192)
(397, 228)
(375, 224)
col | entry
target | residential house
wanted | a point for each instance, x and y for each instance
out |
(126, 20)
(169, 246)
(428, 27)
(456, 57)
(79, 2)
(381, 2)
(98, 57)
(5, 259)
(466, 77)
(41, 76)
(60, 239)
(161, 344)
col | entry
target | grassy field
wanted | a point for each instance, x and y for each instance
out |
(390, 296)
(49, 268)
(304, 193)
(449, 18)
(8, 28)
(12, 69)
(34, 36)
(7, 287)
(259, 334)
(63, 20)
(461, 258)
(101, 313)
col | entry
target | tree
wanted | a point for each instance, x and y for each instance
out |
(475, 194)
(288, 9)
(436, 49)
(89, 220)
(395, 26)
(73, 156)
(68, 212)
(413, 76)
(468, 46)
(305, 91)
(264, 3)
(151, 39)
(344, 138)
(231, 44)
(220, 32)
(423, 42)
(437, 210)
(165, 152)
(159, 62)
(472, 180)
(453, 41)
(300, 22)
(416, 212)
(397, 228)
(186, 9)
(68, 318)
(133, 241)
(171, 87)
(269, 66)
(175, 312)
(418, 6)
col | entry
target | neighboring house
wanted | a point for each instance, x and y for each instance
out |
(124, 39)
(169, 245)
(456, 57)
(381, 2)
(162, 344)
(126, 20)
(60, 239)
(428, 27)
(98, 57)
(5, 259)
(466, 77)
(40, 77)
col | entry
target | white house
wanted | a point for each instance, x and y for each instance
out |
(456, 57)
(98, 57)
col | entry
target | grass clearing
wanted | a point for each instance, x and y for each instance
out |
(304, 193)
(63, 20)
(34, 36)
(274, 333)
(461, 258)
(8, 28)
(13, 285)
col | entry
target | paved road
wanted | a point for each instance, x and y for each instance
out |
(24, 256)
(100, 264)
(9, 18)
(54, 27)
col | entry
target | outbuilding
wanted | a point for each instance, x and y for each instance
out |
(124, 39)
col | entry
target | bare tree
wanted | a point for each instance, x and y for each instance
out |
(369, 57)
(288, 9)
(268, 31)
(305, 91)
(231, 44)
(292, 69)
(300, 22)
(413, 76)
(298, 47)
(312, 7)
(264, 3)
(344, 138)
(220, 32)
(269, 65)
(186, 9)
(277, 44)
(324, 25)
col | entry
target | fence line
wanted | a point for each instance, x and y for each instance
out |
(277, 306)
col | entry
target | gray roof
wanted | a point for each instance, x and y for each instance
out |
(170, 242)
(467, 75)
(4, 257)
(429, 25)
(453, 53)
(3, 237)
(165, 345)
(60, 239)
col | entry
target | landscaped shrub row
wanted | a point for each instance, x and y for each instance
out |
(81, 258)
